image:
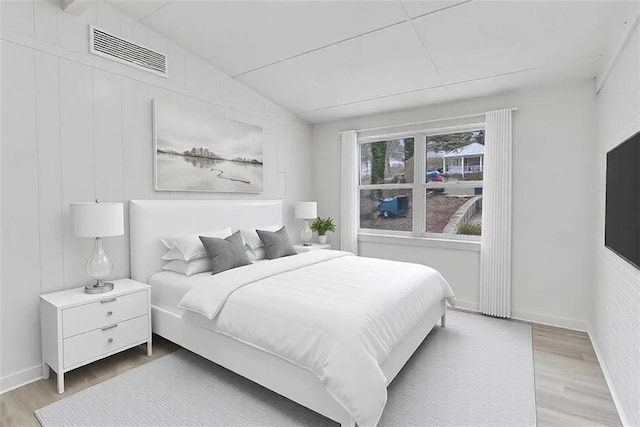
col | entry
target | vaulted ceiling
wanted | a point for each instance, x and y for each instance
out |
(326, 60)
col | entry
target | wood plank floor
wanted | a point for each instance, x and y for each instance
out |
(570, 387)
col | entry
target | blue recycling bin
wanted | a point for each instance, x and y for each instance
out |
(394, 206)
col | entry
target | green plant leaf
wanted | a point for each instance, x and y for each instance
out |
(323, 225)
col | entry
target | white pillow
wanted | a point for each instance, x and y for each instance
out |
(257, 254)
(187, 247)
(251, 238)
(188, 268)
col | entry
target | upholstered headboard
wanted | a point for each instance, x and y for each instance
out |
(151, 219)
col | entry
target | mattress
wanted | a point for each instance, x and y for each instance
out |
(168, 288)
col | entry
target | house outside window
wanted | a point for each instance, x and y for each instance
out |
(466, 159)
(449, 197)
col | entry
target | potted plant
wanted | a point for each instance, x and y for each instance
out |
(322, 226)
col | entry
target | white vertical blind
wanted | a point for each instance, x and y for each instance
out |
(495, 256)
(349, 192)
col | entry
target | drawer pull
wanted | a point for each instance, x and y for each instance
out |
(109, 327)
(110, 340)
(102, 301)
(109, 313)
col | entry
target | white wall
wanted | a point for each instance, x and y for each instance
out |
(77, 127)
(553, 140)
(615, 313)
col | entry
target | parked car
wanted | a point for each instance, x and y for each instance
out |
(434, 176)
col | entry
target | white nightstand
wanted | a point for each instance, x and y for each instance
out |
(79, 328)
(314, 247)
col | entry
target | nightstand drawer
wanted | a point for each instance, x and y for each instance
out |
(106, 340)
(106, 311)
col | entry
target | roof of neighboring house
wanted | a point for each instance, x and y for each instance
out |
(435, 154)
(473, 149)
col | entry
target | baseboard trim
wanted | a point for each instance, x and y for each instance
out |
(540, 319)
(614, 394)
(467, 305)
(20, 378)
(559, 322)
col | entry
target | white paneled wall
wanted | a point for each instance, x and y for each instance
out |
(615, 316)
(20, 213)
(76, 127)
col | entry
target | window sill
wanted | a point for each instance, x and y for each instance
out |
(425, 242)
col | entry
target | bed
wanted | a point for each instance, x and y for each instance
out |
(216, 331)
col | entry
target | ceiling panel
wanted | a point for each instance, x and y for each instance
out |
(377, 106)
(422, 7)
(562, 72)
(138, 9)
(326, 60)
(386, 62)
(485, 38)
(621, 16)
(288, 87)
(238, 36)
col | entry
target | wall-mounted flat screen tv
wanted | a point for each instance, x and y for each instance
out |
(622, 213)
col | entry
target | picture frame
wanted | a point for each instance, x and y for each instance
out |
(195, 150)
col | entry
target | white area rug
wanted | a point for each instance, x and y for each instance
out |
(477, 371)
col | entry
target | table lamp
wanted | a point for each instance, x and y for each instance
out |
(306, 211)
(98, 220)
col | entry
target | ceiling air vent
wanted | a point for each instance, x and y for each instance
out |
(118, 49)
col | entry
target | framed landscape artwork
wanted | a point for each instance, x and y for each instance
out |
(194, 150)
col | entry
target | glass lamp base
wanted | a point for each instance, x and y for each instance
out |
(98, 288)
(306, 234)
(98, 267)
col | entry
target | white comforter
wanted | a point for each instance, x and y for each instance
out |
(333, 313)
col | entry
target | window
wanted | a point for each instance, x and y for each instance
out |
(454, 177)
(450, 201)
(386, 184)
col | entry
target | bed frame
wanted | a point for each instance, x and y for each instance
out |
(151, 219)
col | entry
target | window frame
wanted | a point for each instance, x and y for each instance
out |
(393, 186)
(418, 187)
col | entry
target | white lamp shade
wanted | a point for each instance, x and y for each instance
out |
(97, 219)
(306, 210)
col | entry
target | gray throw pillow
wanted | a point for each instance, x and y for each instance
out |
(227, 253)
(276, 244)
